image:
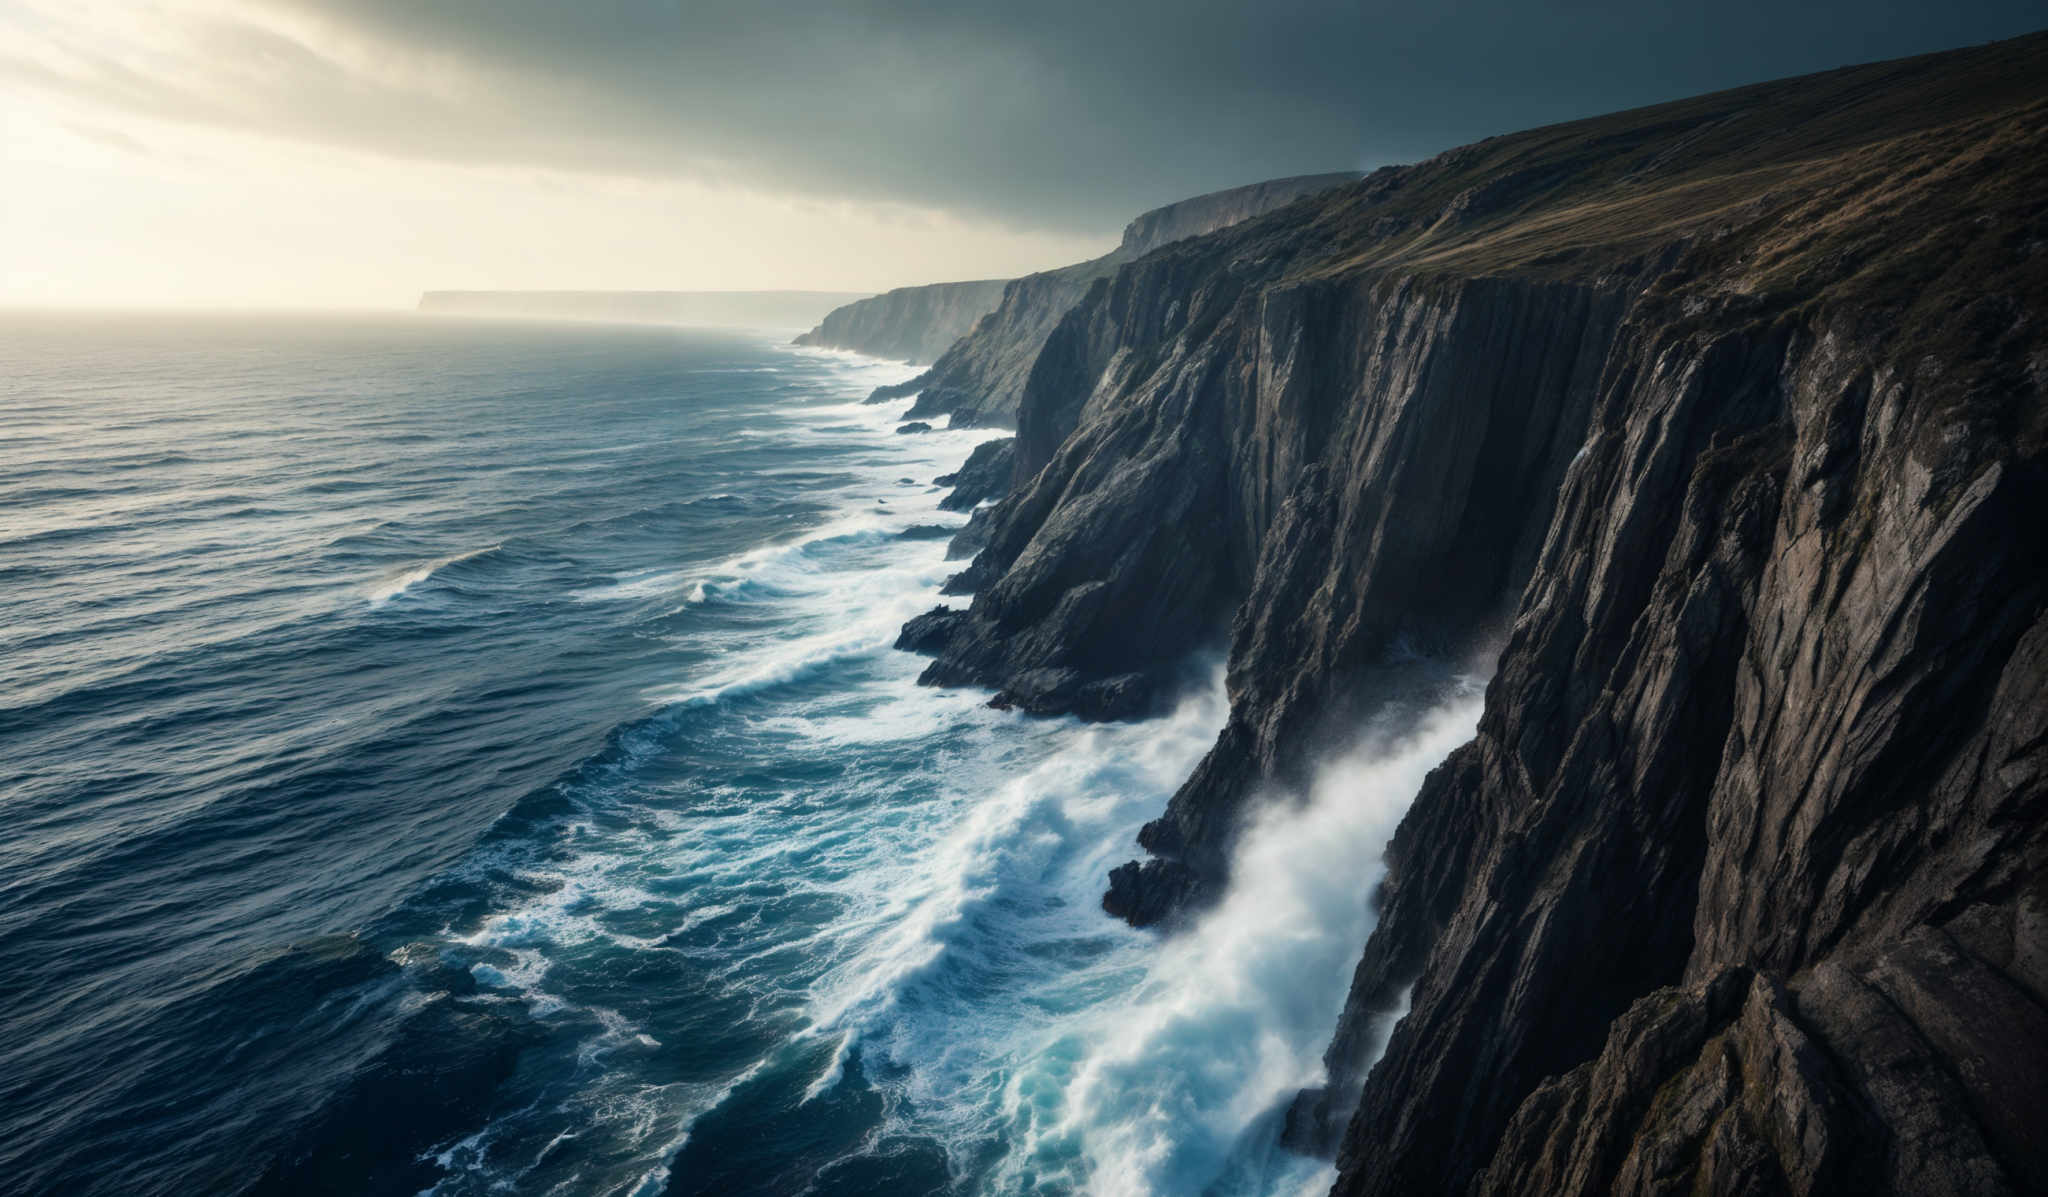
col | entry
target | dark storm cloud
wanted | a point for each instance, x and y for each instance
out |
(1062, 114)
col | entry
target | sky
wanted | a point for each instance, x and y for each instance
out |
(355, 152)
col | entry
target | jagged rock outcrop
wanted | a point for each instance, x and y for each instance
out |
(1724, 421)
(985, 475)
(911, 324)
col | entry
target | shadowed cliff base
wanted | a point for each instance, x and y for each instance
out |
(1732, 412)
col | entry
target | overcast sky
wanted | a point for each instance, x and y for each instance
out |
(356, 151)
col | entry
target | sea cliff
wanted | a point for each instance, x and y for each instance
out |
(911, 324)
(1717, 428)
(980, 364)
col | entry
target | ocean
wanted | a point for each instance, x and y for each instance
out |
(461, 757)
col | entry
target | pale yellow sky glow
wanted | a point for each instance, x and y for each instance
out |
(356, 152)
(106, 204)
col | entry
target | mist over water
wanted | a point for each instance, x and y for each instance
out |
(515, 708)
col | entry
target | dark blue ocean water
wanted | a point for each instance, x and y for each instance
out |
(468, 757)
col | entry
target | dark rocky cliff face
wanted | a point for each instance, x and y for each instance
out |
(912, 324)
(1723, 424)
(980, 379)
(1776, 742)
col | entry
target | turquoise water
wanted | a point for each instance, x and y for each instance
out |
(468, 757)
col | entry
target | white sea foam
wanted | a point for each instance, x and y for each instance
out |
(1234, 1015)
(1139, 1065)
(949, 910)
(863, 629)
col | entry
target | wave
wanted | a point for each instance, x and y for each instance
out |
(1116, 1062)
(807, 565)
(391, 586)
(790, 662)
(625, 589)
(1011, 882)
(733, 590)
(1185, 1083)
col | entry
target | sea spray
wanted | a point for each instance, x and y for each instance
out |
(1183, 1081)
(1054, 1050)
(1012, 878)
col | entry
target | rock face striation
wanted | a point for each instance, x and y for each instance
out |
(911, 324)
(1722, 427)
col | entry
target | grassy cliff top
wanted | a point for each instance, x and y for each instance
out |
(1904, 202)
(1838, 151)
